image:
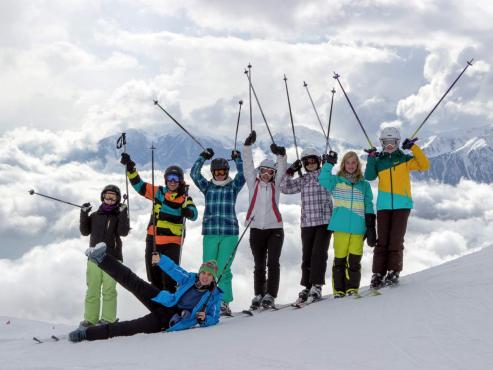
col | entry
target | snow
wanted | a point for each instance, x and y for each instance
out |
(436, 319)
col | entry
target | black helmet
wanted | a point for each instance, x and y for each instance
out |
(174, 170)
(219, 164)
(113, 188)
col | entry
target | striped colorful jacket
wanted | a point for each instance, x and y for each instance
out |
(168, 207)
(220, 200)
(351, 201)
(316, 202)
(392, 170)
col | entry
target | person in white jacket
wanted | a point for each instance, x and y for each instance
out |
(266, 231)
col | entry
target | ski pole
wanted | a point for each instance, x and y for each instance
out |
(315, 109)
(238, 122)
(336, 76)
(291, 117)
(122, 142)
(184, 226)
(333, 91)
(153, 203)
(32, 192)
(179, 125)
(259, 106)
(230, 259)
(250, 96)
(469, 63)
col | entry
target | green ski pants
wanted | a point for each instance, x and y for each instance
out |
(99, 283)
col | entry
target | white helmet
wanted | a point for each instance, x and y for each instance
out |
(310, 152)
(390, 133)
(268, 163)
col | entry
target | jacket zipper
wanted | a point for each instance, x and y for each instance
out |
(352, 195)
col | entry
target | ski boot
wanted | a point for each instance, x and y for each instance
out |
(339, 295)
(353, 293)
(315, 293)
(85, 324)
(97, 253)
(392, 278)
(256, 302)
(267, 301)
(302, 296)
(376, 281)
(78, 335)
(225, 310)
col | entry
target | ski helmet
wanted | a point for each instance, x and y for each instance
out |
(113, 188)
(268, 163)
(310, 153)
(174, 170)
(390, 133)
(219, 164)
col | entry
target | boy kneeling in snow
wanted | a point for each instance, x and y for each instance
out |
(169, 311)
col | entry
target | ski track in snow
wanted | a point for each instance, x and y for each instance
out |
(436, 319)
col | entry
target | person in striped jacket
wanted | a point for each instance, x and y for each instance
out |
(172, 206)
(266, 232)
(353, 219)
(220, 225)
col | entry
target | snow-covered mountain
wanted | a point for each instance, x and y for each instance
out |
(465, 153)
(436, 319)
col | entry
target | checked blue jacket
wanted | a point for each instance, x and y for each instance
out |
(220, 200)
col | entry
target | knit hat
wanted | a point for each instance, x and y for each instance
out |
(209, 266)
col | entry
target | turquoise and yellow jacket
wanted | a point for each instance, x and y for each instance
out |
(394, 184)
(351, 201)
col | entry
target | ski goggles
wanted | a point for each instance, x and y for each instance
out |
(267, 170)
(393, 142)
(110, 196)
(172, 178)
(220, 172)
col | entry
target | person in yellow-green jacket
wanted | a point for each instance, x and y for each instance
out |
(394, 202)
(352, 220)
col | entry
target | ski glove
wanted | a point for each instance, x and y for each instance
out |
(372, 152)
(277, 150)
(330, 158)
(295, 167)
(86, 208)
(235, 154)
(123, 208)
(408, 143)
(187, 212)
(251, 138)
(207, 154)
(371, 233)
(127, 161)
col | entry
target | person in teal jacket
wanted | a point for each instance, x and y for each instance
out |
(352, 220)
(197, 299)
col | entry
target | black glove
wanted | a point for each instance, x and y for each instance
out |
(295, 167)
(207, 154)
(186, 212)
(86, 208)
(122, 208)
(251, 138)
(371, 233)
(330, 158)
(372, 152)
(127, 161)
(235, 154)
(408, 143)
(277, 150)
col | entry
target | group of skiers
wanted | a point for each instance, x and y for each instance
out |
(331, 204)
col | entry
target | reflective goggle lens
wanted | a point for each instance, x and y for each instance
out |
(267, 170)
(173, 178)
(220, 172)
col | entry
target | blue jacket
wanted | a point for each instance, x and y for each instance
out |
(351, 201)
(185, 281)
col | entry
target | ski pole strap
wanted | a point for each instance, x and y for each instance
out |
(336, 76)
(121, 141)
(469, 63)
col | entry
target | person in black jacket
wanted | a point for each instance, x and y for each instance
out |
(107, 225)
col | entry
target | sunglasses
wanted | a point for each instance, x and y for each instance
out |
(266, 170)
(311, 160)
(110, 196)
(172, 178)
(220, 172)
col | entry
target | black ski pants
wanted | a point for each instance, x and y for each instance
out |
(155, 275)
(158, 318)
(389, 251)
(315, 246)
(266, 248)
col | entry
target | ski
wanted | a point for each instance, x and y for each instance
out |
(307, 302)
(275, 307)
(53, 338)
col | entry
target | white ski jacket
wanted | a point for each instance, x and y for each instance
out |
(266, 206)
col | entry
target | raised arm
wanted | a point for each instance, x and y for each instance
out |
(419, 162)
(249, 167)
(177, 273)
(197, 177)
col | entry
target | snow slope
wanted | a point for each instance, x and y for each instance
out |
(437, 319)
